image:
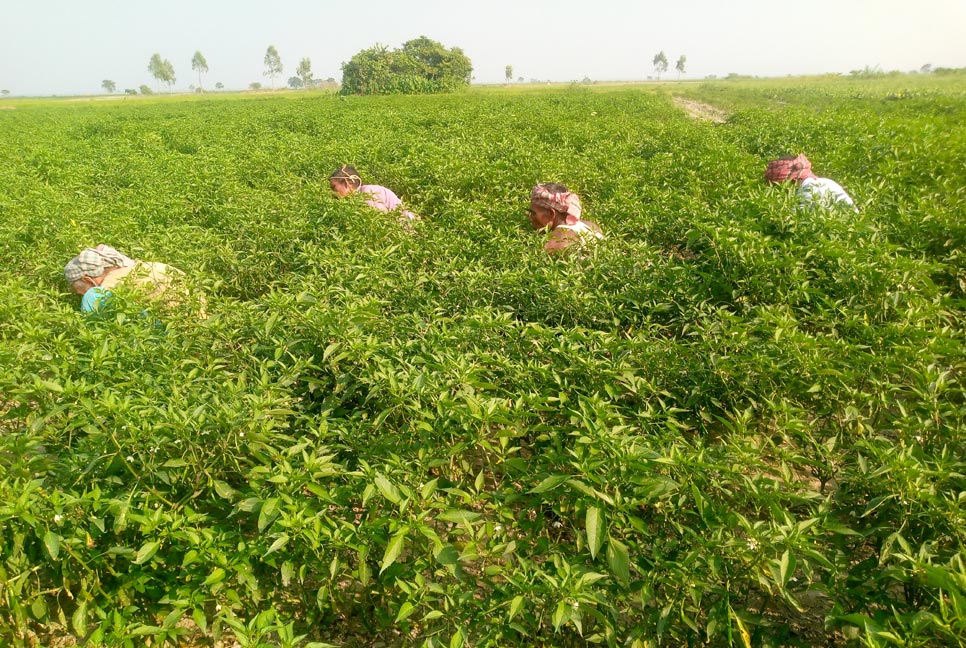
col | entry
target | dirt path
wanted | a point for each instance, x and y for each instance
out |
(701, 111)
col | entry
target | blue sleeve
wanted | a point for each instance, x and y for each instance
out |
(95, 299)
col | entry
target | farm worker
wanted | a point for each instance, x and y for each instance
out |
(345, 180)
(556, 210)
(812, 190)
(95, 271)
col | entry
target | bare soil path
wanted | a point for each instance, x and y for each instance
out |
(701, 111)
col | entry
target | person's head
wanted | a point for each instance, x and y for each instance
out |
(87, 269)
(552, 205)
(345, 180)
(789, 167)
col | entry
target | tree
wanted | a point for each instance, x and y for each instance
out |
(219, 86)
(200, 65)
(304, 72)
(145, 90)
(679, 66)
(926, 69)
(660, 63)
(273, 64)
(254, 85)
(295, 83)
(169, 77)
(421, 66)
(156, 68)
(130, 91)
(162, 70)
(509, 73)
(519, 79)
(109, 86)
(4, 92)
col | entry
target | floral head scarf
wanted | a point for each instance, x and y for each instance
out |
(564, 201)
(797, 168)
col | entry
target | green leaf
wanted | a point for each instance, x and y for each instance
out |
(174, 463)
(550, 482)
(561, 615)
(198, 615)
(428, 488)
(52, 386)
(405, 611)
(224, 490)
(329, 350)
(786, 567)
(268, 513)
(280, 542)
(619, 560)
(388, 490)
(52, 542)
(79, 619)
(394, 548)
(595, 524)
(216, 576)
(288, 571)
(146, 552)
(39, 608)
(515, 606)
(448, 555)
(457, 640)
(458, 515)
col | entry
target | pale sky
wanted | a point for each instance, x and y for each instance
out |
(69, 46)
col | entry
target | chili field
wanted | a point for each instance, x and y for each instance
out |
(729, 423)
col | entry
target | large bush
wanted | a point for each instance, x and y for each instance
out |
(422, 66)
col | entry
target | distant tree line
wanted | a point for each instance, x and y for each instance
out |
(422, 65)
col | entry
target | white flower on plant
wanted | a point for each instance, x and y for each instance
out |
(58, 517)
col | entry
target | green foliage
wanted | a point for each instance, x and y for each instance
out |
(421, 66)
(660, 63)
(162, 70)
(304, 72)
(273, 64)
(731, 423)
(200, 65)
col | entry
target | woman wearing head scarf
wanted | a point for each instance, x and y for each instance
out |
(95, 271)
(346, 180)
(812, 190)
(556, 210)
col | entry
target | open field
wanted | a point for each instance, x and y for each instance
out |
(731, 423)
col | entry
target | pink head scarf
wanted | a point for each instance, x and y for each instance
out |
(797, 168)
(564, 201)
